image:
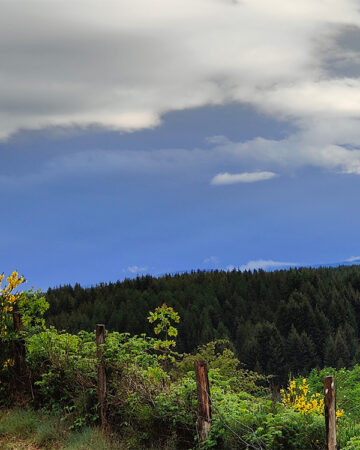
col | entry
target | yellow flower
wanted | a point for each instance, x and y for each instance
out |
(339, 413)
(7, 363)
(8, 298)
(297, 396)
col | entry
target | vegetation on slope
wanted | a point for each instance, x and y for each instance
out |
(151, 389)
(279, 322)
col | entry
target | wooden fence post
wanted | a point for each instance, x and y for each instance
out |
(204, 400)
(330, 412)
(18, 325)
(19, 354)
(101, 384)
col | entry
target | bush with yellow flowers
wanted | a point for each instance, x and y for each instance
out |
(9, 300)
(297, 396)
(31, 305)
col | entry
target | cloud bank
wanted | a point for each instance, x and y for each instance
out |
(123, 65)
(266, 264)
(353, 259)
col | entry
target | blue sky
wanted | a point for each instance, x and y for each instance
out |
(153, 140)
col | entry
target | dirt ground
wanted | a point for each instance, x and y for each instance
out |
(13, 443)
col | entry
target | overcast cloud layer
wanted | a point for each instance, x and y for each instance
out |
(124, 64)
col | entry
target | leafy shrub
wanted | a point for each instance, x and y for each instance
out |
(353, 443)
(253, 423)
(297, 396)
(219, 355)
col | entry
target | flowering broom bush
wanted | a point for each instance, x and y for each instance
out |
(297, 396)
(9, 300)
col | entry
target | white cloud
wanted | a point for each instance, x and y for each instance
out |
(333, 144)
(246, 177)
(265, 264)
(211, 260)
(353, 259)
(136, 269)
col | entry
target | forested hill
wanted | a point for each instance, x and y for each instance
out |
(279, 322)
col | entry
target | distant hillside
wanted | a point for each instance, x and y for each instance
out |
(281, 321)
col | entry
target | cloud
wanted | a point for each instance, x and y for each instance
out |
(123, 66)
(333, 144)
(265, 264)
(246, 177)
(136, 269)
(353, 259)
(211, 260)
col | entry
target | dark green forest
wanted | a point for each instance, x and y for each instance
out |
(281, 322)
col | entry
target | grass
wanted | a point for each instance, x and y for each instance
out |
(25, 429)
(87, 438)
(18, 423)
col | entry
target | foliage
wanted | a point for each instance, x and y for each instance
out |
(248, 422)
(220, 356)
(164, 316)
(347, 385)
(353, 443)
(282, 322)
(32, 306)
(9, 300)
(297, 396)
(152, 405)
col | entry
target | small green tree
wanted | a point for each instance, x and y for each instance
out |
(32, 306)
(165, 316)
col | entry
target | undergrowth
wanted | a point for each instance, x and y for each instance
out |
(26, 428)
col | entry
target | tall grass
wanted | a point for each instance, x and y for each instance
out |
(44, 431)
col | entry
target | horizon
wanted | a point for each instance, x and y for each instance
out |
(334, 265)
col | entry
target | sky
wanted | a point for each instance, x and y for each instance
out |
(159, 137)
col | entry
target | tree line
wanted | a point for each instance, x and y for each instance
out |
(281, 322)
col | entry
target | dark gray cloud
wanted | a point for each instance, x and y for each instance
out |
(341, 56)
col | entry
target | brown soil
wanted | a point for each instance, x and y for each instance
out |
(13, 443)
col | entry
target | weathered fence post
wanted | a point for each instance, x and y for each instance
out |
(330, 412)
(18, 325)
(204, 400)
(21, 376)
(275, 392)
(101, 384)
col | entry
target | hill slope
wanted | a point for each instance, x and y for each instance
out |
(281, 321)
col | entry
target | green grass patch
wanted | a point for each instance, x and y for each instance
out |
(88, 438)
(22, 428)
(19, 422)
